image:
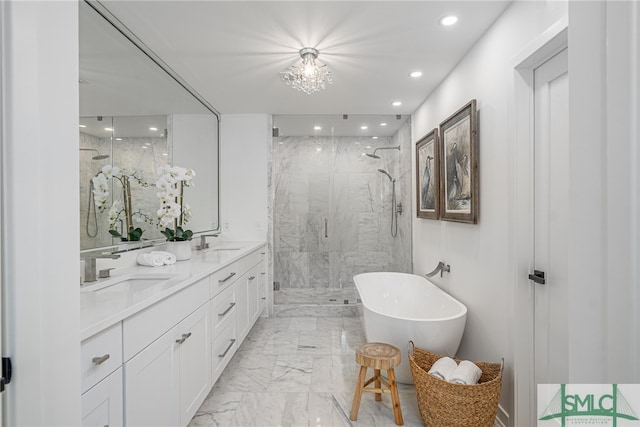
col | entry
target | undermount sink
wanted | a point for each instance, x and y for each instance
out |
(132, 283)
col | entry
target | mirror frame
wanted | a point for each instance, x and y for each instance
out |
(111, 19)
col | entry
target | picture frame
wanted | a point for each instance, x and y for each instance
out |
(428, 176)
(459, 196)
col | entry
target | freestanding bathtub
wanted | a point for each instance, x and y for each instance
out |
(398, 307)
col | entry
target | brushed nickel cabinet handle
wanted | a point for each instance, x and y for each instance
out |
(184, 338)
(100, 359)
(226, 278)
(233, 304)
(233, 340)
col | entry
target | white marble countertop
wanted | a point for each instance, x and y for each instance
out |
(100, 310)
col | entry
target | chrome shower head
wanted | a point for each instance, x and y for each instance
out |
(375, 156)
(98, 156)
(386, 173)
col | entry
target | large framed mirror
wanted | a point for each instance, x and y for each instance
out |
(137, 115)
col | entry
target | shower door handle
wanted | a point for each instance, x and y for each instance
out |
(326, 228)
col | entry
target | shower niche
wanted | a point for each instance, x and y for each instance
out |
(333, 208)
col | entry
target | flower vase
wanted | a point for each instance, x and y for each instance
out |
(181, 249)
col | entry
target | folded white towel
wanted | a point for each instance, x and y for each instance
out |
(156, 259)
(167, 257)
(466, 373)
(150, 260)
(443, 368)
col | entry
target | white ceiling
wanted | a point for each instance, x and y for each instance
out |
(232, 52)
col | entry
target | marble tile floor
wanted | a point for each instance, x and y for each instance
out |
(299, 372)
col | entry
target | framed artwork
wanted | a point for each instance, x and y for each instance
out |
(428, 176)
(459, 171)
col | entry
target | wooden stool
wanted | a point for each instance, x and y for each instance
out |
(377, 356)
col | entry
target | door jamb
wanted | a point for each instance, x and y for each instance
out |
(548, 44)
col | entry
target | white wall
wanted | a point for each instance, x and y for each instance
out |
(245, 140)
(479, 254)
(604, 41)
(40, 212)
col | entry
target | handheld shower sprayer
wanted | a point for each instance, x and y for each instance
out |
(387, 173)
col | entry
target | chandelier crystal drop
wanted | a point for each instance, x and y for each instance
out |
(307, 75)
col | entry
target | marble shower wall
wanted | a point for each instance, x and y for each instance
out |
(145, 154)
(332, 209)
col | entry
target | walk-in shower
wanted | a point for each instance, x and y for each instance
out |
(330, 208)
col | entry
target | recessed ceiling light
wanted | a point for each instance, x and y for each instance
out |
(364, 127)
(147, 143)
(153, 129)
(383, 124)
(368, 146)
(416, 74)
(109, 129)
(82, 126)
(374, 137)
(165, 154)
(318, 149)
(396, 103)
(317, 128)
(449, 20)
(118, 139)
(144, 147)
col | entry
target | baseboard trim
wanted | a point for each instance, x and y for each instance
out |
(502, 418)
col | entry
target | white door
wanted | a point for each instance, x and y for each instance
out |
(551, 220)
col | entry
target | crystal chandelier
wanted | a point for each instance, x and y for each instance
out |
(308, 74)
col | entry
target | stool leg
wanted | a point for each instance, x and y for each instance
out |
(356, 398)
(397, 411)
(376, 372)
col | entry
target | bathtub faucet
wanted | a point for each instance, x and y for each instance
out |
(442, 267)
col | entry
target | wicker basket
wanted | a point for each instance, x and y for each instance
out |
(444, 404)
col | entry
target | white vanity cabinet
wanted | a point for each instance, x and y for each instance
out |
(157, 364)
(167, 381)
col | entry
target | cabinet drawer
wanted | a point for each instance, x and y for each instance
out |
(102, 405)
(223, 278)
(101, 354)
(223, 310)
(252, 259)
(222, 349)
(144, 327)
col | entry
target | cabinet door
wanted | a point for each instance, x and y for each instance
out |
(195, 362)
(242, 309)
(102, 404)
(151, 384)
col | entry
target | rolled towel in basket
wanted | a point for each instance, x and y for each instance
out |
(167, 257)
(443, 368)
(150, 260)
(466, 373)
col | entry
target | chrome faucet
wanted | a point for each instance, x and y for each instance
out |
(90, 266)
(203, 241)
(441, 268)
